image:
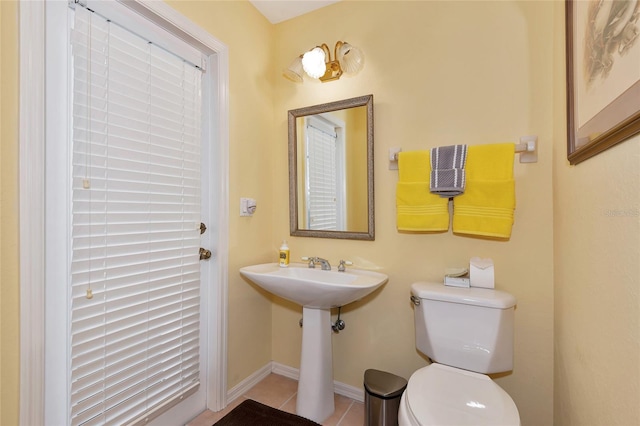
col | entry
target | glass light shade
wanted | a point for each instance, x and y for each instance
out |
(294, 71)
(351, 58)
(313, 63)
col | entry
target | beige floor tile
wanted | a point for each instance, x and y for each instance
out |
(208, 417)
(274, 390)
(290, 405)
(342, 404)
(280, 392)
(355, 415)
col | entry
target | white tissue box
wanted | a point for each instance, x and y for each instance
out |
(481, 273)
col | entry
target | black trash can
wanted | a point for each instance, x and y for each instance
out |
(382, 397)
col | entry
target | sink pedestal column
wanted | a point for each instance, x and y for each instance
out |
(315, 387)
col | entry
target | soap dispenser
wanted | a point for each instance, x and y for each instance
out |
(284, 254)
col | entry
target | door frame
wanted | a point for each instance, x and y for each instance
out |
(32, 205)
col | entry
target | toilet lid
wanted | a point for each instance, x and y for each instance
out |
(443, 395)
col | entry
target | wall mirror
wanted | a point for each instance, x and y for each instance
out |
(331, 170)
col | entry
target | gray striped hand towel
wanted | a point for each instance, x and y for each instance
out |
(447, 170)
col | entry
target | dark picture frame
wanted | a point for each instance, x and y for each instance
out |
(603, 79)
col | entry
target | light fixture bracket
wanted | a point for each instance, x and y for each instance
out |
(333, 68)
(334, 71)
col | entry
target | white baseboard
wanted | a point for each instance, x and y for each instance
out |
(349, 391)
(285, 370)
(241, 388)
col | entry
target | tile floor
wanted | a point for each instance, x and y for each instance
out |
(280, 392)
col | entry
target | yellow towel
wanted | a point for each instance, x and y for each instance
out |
(414, 166)
(486, 207)
(417, 209)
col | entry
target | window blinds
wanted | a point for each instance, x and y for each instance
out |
(135, 275)
(321, 177)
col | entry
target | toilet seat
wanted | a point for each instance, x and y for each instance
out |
(443, 395)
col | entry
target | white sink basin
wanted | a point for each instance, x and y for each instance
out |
(314, 288)
(317, 291)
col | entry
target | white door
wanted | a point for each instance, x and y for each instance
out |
(60, 373)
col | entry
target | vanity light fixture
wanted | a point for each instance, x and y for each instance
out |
(318, 63)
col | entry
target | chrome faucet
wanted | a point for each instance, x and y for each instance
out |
(324, 263)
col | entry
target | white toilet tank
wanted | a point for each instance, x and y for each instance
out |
(468, 328)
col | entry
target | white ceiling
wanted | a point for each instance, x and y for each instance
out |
(281, 10)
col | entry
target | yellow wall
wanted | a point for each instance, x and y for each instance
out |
(9, 290)
(441, 73)
(356, 165)
(597, 280)
(1, 117)
(597, 291)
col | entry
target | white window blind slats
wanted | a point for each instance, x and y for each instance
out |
(165, 162)
(112, 320)
(130, 118)
(128, 243)
(159, 319)
(127, 357)
(121, 266)
(135, 228)
(85, 336)
(141, 187)
(322, 183)
(125, 385)
(131, 125)
(137, 253)
(125, 361)
(127, 251)
(92, 321)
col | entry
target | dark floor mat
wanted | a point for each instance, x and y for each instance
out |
(252, 413)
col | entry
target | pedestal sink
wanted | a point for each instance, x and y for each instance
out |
(317, 291)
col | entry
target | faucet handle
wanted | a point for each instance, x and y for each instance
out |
(342, 267)
(311, 260)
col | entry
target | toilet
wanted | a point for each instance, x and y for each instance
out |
(467, 333)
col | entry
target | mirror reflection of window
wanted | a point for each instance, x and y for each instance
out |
(351, 201)
(325, 175)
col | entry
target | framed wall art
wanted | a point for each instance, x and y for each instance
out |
(603, 75)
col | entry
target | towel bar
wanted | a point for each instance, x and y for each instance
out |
(527, 148)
